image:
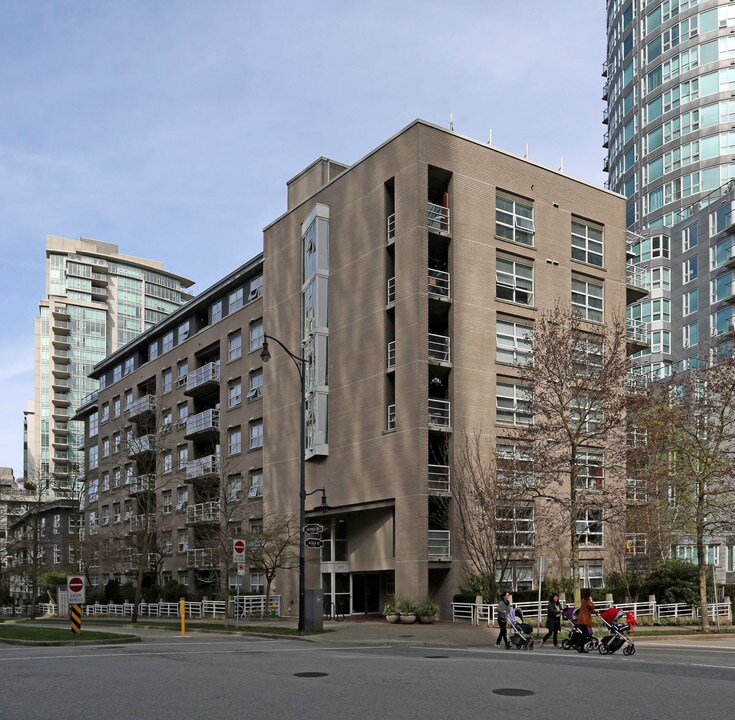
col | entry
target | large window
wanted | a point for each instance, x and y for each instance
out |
(236, 300)
(590, 527)
(255, 389)
(256, 334)
(514, 220)
(234, 393)
(514, 465)
(690, 302)
(256, 434)
(587, 243)
(587, 300)
(513, 341)
(234, 440)
(515, 526)
(590, 470)
(256, 484)
(514, 281)
(513, 404)
(234, 346)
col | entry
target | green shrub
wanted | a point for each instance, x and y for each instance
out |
(674, 581)
(112, 592)
(173, 592)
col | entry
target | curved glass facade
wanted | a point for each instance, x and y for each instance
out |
(670, 88)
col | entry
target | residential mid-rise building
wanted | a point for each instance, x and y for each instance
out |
(97, 300)
(669, 81)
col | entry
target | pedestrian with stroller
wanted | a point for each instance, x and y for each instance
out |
(503, 610)
(584, 619)
(553, 619)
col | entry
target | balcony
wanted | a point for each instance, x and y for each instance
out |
(203, 513)
(439, 480)
(391, 359)
(439, 545)
(60, 312)
(61, 341)
(606, 163)
(391, 290)
(636, 382)
(202, 379)
(59, 413)
(439, 284)
(139, 523)
(391, 421)
(61, 398)
(440, 414)
(60, 355)
(202, 424)
(636, 283)
(142, 407)
(391, 228)
(439, 349)
(605, 116)
(141, 445)
(606, 140)
(93, 529)
(142, 484)
(99, 292)
(200, 558)
(438, 219)
(60, 383)
(203, 468)
(636, 332)
(60, 441)
(605, 90)
(63, 371)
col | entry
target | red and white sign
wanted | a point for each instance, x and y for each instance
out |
(76, 590)
(241, 568)
(238, 551)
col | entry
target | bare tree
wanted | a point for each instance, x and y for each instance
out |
(689, 423)
(576, 385)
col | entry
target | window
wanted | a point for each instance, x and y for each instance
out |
(182, 498)
(166, 462)
(589, 527)
(586, 414)
(153, 350)
(590, 471)
(182, 368)
(256, 287)
(256, 335)
(93, 457)
(106, 447)
(105, 515)
(183, 414)
(689, 269)
(514, 465)
(234, 393)
(256, 434)
(128, 399)
(93, 426)
(183, 456)
(117, 373)
(514, 220)
(234, 440)
(689, 553)
(256, 385)
(57, 554)
(721, 288)
(256, 484)
(167, 380)
(167, 502)
(513, 404)
(166, 420)
(183, 577)
(129, 365)
(513, 342)
(182, 332)
(721, 253)
(116, 477)
(234, 487)
(168, 341)
(257, 583)
(116, 407)
(591, 575)
(689, 237)
(635, 543)
(234, 346)
(690, 334)
(57, 523)
(587, 355)
(235, 300)
(587, 300)
(167, 543)
(690, 302)
(105, 481)
(215, 312)
(105, 412)
(515, 526)
(514, 282)
(116, 512)
(586, 243)
(183, 540)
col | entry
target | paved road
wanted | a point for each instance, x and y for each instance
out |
(206, 676)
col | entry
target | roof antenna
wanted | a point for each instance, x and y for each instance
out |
(561, 164)
(451, 122)
(526, 155)
(490, 140)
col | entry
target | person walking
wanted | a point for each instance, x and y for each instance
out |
(553, 619)
(503, 610)
(584, 619)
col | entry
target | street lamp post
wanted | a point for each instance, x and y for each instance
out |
(301, 364)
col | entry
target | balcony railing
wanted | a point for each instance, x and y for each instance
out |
(142, 522)
(439, 479)
(636, 382)
(142, 444)
(439, 284)
(391, 227)
(391, 360)
(391, 424)
(143, 405)
(636, 277)
(200, 558)
(142, 484)
(202, 467)
(439, 545)
(206, 512)
(438, 218)
(93, 529)
(439, 348)
(636, 331)
(61, 325)
(391, 290)
(440, 413)
(208, 374)
(202, 422)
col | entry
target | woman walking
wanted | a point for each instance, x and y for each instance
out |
(503, 610)
(584, 619)
(553, 619)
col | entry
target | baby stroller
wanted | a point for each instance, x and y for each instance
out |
(576, 635)
(521, 636)
(618, 630)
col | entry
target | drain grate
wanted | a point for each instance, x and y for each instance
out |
(436, 657)
(310, 674)
(516, 692)
(407, 636)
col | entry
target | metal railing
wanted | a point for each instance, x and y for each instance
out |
(205, 512)
(141, 484)
(391, 227)
(440, 413)
(439, 476)
(391, 290)
(439, 348)
(200, 558)
(245, 606)
(142, 444)
(439, 283)
(391, 359)
(207, 420)
(636, 330)
(142, 522)
(438, 218)
(209, 373)
(144, 404)
(439, 544)
(202, 467)
(636, 277)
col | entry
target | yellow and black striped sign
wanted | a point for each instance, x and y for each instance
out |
(76, 619)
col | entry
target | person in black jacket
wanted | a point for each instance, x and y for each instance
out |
(553, 619)
(503, 610)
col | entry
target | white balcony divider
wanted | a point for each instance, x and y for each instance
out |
(438, 218)
(391, 359)
(439, 348)
(439, 476)
(391, 290)
(439, 284)
(391, 417)
(391, 227)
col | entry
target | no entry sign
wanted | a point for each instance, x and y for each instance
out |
(238, 551)
(75, 589)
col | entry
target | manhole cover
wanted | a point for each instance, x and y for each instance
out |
(517, 692)
(310, 674)
(436, 657)
(406, 636)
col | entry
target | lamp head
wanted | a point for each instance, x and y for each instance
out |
(265, 353)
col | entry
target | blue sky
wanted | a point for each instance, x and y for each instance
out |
(170, 127)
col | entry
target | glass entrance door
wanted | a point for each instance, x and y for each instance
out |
(365, 593)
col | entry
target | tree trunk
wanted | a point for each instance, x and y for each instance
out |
(703, 590)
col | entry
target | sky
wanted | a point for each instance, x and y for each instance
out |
(170, 127)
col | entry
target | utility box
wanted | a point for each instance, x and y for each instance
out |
(313, 611)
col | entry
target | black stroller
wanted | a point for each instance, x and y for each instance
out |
(576, 636)
(521, 632)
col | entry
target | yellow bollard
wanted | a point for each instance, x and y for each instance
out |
(182, 612)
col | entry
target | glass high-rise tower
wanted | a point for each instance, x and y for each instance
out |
(670, 89)
(96, 301)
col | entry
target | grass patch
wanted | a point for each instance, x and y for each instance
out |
(201, 626)
(52, 634)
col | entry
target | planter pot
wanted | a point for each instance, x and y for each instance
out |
(393, 618)
(408, 619)
(427, 619)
